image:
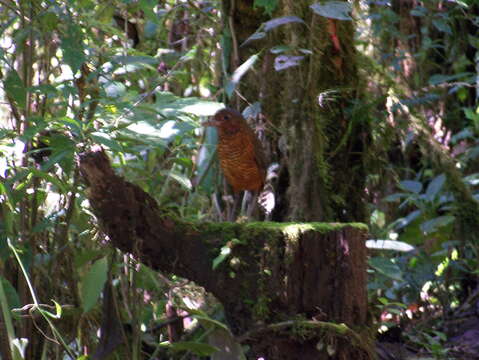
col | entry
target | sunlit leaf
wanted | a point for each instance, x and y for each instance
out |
(256, 36)
(274, 23)
(472, 179)
(182, 179)
(52, 179)
(114, 89)
(224, 253)
(130, 59)
(279, 49)
(106, 140)
(283, 62)
(92, 284)
(402, 222)
(333, 9)
(238, 74)
(389, 245)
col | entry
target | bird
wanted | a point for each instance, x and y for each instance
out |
(240, 153)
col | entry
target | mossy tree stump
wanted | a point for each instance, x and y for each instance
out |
(285, 287)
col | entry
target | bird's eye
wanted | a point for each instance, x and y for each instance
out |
(226, 117)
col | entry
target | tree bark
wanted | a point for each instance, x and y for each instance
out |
(315, 130)
(286, 287)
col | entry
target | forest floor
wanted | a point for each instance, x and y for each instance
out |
(456, 336)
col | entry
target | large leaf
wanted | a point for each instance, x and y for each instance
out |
(411, 186)
(10, 294)
(106, 140)
(270, 25)
(433, 225)
(402, 222)
(181, 179)
(15, 89)
(196, 348)
(386, 267)
(238, 74)
(268, 5)
(72, 47)
(333, 9)
(435, 186)
(393, 245)
(224, 253)
(274, 23)
(283, 62)
(92, 284)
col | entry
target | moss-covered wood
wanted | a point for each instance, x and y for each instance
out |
(315, 126)
(276, 272)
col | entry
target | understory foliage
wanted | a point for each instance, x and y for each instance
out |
(138, 78)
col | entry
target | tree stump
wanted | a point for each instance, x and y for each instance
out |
(289, 290)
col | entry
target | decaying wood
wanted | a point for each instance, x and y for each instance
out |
(293, 272)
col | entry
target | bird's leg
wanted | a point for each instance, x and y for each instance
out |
(233, 208)
(231, 204)
(249, 203)
(217, 207)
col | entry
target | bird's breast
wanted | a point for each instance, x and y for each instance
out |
(240, 167)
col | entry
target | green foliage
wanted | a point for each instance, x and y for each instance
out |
(93, 282)
(138, 78)
(268, 5)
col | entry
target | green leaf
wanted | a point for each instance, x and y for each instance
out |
(208, 322)
(274, 23)
(258, 35)
(402, 222)
(238, 74)
(182, 179)
(92, 284)
(437, 79)
(52, 179)
(442, 26)
(432, 225)
(196, 348)
(224, 253)
(435, 186)
(268, 5)
(280, 49)
(106, 140)
(386, 267)
(49, 21)
(389, 245)
(58, 311)
(15, 89)
(411, 186)
(72, 47)
(114, 89)
(10, 294)
(333, 9)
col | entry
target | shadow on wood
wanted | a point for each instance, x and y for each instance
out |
(297, 290)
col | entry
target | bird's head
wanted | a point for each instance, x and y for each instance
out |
(228, 121)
